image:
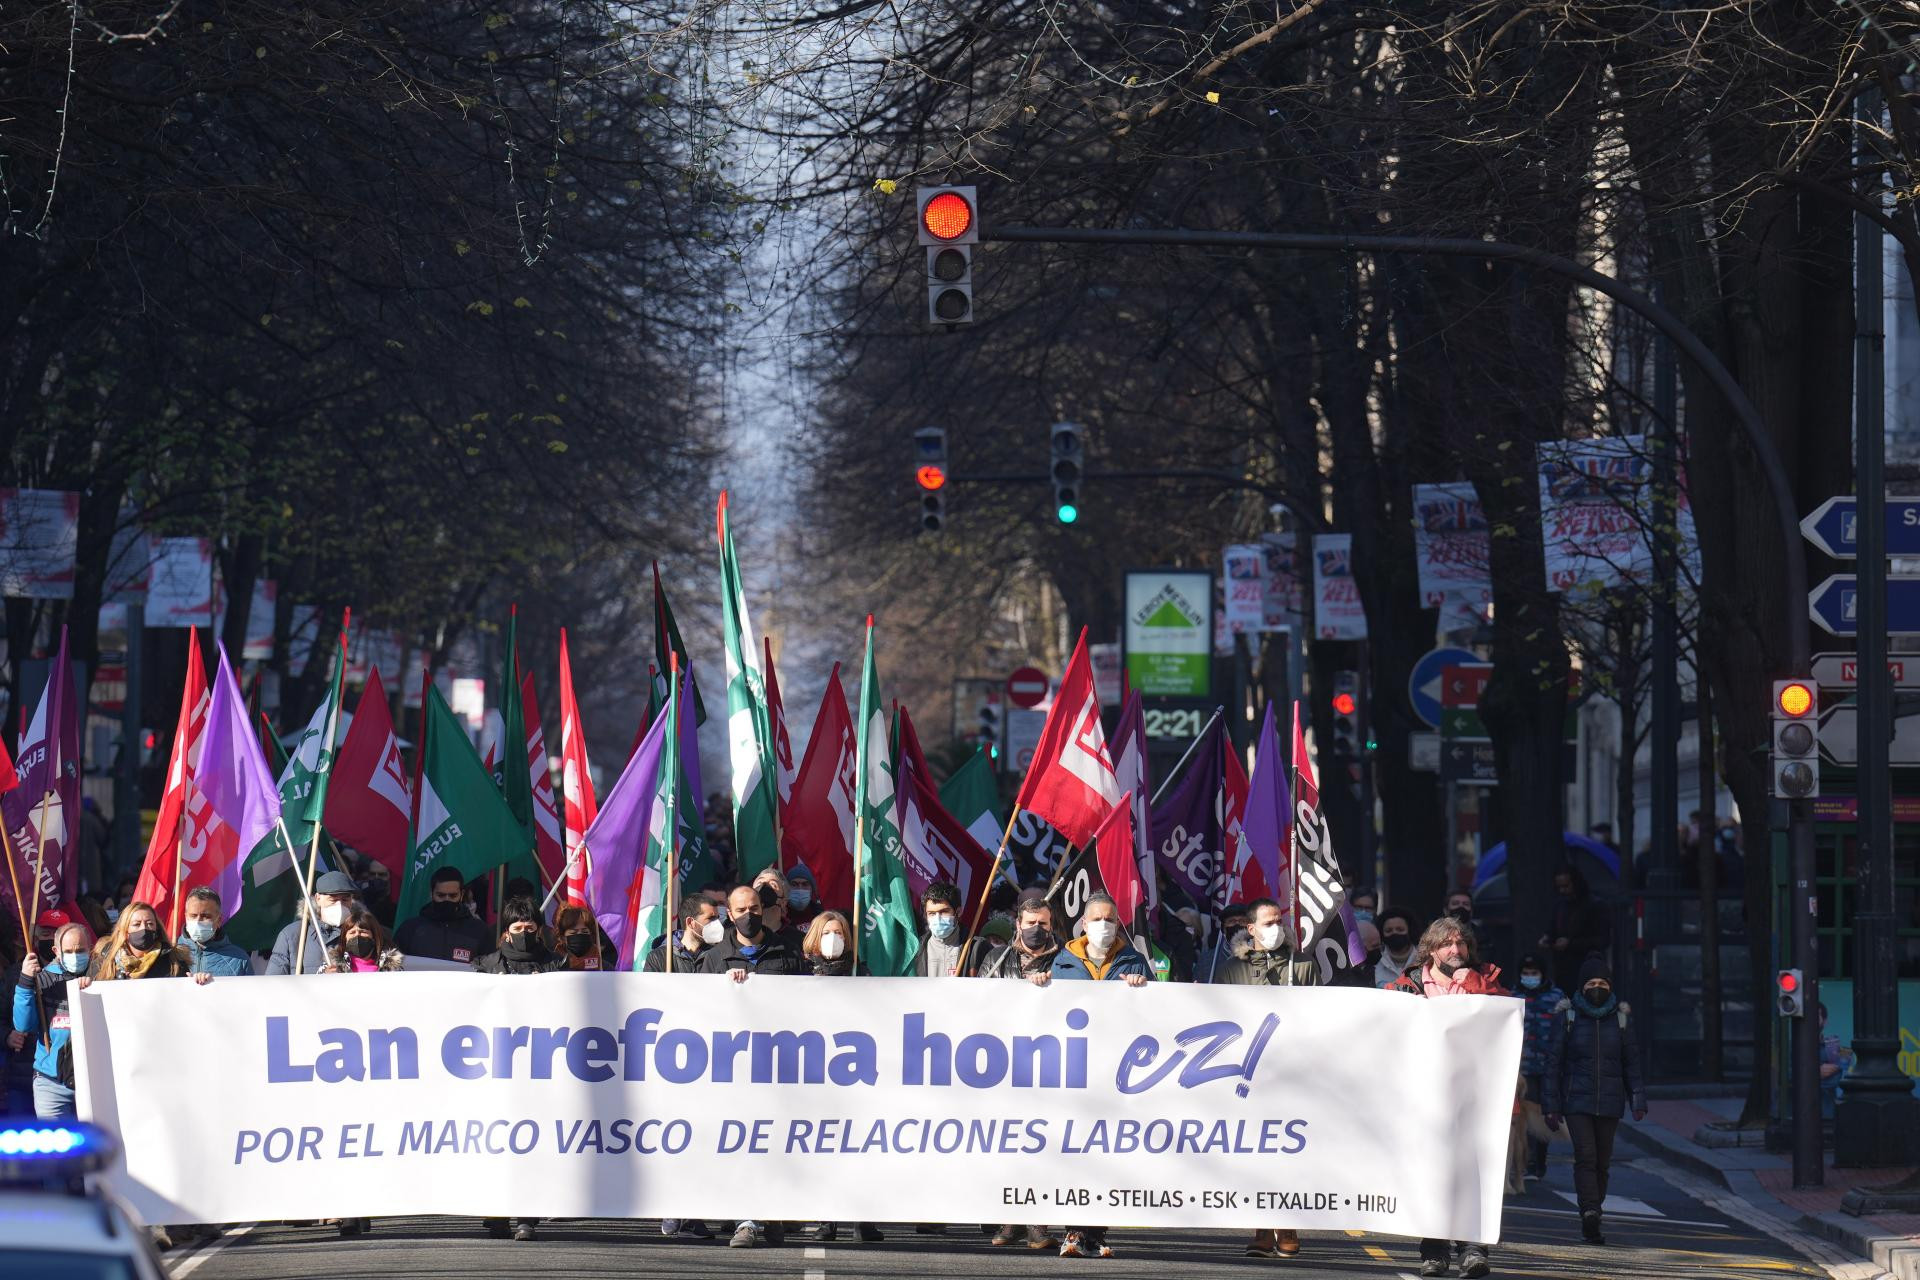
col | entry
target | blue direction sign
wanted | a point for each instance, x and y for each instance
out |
(1423, 683)
(1834, 604)
(1834, 527)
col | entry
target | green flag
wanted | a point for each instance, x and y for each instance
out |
(511, 772)
(889, 937)
(973, 796)
(271, 876)
(463, 821)
(749, 731)
(651, 914)
(698, 866)
(667, 645)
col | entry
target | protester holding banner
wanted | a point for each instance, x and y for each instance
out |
(444, 929)
(941, 945)
(205, 942)
(1258, 955)
(748, 947)
(1446, 964)
(826, 947)
(333, 897)
(578, 938)
(701, 927)
(40, 1013)
(1100, 954)
(138, 948)
(775, 894)
(523, 944)
(1034, 946)
(1208, 961)
(363, 947)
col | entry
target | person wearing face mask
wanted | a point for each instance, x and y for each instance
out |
(1542, 1000)
(827, 947)
(803, 901)
(747, 946)
(138, 948)
(1593, 1074)
(40, 1015)
(1365, 903)
(1446, 964)
(702, 926)
(577, 941)
(1029, 955)
(205, 942)
(523, 949)
(444, 929)
(376, 892)
(1396, 945)
(1233, 921)
(775, 898)
(334, 897)
(940, 943)
(363, 948)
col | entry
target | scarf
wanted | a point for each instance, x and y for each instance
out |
(126, 964)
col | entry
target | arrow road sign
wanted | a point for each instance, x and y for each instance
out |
(1842, 670)
(1833, 526)
(1840, 737)
(1423, 683)
(1834, 604)
(1464, 760)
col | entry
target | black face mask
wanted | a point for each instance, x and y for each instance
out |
(578, 944)
(749, 925)
(360, 945)
(1035, 937)
(142, 939)
(524, 944)
(45, 951)
(1396, 942)
(443, 912)
(375, 891)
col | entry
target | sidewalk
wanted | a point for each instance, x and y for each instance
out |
(1673, 1131)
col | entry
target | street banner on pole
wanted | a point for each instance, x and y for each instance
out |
(626, 1095)
(1245, 565)
(1451, 548)
(39, 537)
(1337, 611)
(180, 588)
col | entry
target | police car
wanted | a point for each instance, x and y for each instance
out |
(56, 1222)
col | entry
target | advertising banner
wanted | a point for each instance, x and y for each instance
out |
(1285, 597)
(1450, 545)
(180, 586)
(579, 1095)
(1591, 497)
(1338, 613)
(1246, 587)
(1169, 636)
(39, 535)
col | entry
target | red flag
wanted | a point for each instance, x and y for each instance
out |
(367, 796)
(782, 743)
(1119, 868)
(934, 846)
(9, 778)
(548, 839)
(906, 744)
(1070, 783)
(1245, 880)
(190, 845)
(576, 783)
(818, 829)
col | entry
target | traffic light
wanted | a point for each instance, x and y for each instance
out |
(1346, 715)
(1790, 994)
(1069, 466)
(949, 227)
(930, 474)
(1795, 763)
(989, 734)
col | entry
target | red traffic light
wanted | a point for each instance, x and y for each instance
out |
(1789, 982)
(930, 477)
(948, 216)
(149, 739)
(1343, 704)
(1795, 699)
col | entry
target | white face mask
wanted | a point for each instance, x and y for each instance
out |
(201, 931)
(833, 945)
(332, 913)
(1267, 936)
(1101, 933)
(712, 931)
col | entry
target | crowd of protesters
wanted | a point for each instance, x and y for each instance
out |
(1579, 1065)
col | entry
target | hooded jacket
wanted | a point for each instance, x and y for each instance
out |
(1387, 970)
(1593, 1061)
(220, 956)
(1247, 966)
(1072, 962)
(684, 961)
(46, 992)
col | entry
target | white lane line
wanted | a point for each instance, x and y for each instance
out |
(1614, 1206)
(1623, 1216)
(815, 1251)
(192, 1262)
(815, 1275)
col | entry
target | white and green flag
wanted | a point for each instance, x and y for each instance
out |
(883, 903)
(749, 727)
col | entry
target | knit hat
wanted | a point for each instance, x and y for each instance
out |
(1531, 960)
(1595, 970)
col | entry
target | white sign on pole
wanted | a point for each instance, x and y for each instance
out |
(1105, 661)
(39, 536)
(1338, 612)
(1450, 546)
(1843, 670)
(1169, 632)
(1023, 735)
(1285, 596)
(1244, 608)
(180, 586)
(627, 1095)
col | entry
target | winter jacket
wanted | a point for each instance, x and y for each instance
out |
(1538, 1027)
(923, 961)
(1072, 962)
(1247, 966)
(460, 940)
(821, 967)
(287, 945)
(507, 960)
(684, 961)
(1011, 962)
(1387, 970)
(46, 992)
(775, 954)
(392, 960)
(219, 957)
(1593, 1061)
(173, 962)
(1484, 981)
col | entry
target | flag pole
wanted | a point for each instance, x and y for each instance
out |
(173, 892)
(40, 859)
(980, 907)
(306, 899)
(1185, 756)
(336, 693)
(859, 848)
(19, 902)
(670, 891)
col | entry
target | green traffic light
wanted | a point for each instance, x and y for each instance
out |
(1067, 512)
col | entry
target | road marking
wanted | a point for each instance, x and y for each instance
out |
(1378, 1254)
(1618, 1205)
(1357, 1235)
(191, 1263)
(816, 1275)
(1659, 1218)
(1836, 1262)
(815, 1251)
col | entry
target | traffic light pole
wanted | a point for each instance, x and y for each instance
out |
(1807, 1166)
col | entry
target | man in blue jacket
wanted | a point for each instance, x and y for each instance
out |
(206, 942)
(334, 896)
(40, 1013)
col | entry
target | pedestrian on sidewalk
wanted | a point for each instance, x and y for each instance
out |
(1593, 1074)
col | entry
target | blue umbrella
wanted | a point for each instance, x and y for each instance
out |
(1494, 860)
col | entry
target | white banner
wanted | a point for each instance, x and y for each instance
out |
(1245, 605)
(1591, 498)
(1284, 596)
(1451, 547)
(647, 1095)
(1337, 613)
(39, 536)
(180, 587)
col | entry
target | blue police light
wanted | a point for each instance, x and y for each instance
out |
(1067, 512)
(40, 1150)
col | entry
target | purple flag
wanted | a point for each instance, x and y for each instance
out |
(233, 777)
(1188, 834)
(47, 801)
(1130, 772)
(616, 843)
(1269, 809)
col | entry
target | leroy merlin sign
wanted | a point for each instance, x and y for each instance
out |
(1169, 634)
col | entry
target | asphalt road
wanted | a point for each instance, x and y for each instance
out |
(1663, 1224)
